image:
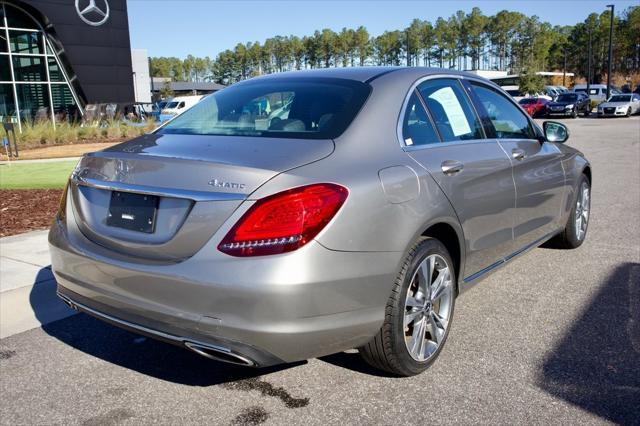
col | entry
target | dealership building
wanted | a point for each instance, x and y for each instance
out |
(59, 56)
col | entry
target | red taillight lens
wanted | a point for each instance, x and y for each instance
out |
(284, 221)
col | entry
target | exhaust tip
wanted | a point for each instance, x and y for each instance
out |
(68, 302)
(219, 354)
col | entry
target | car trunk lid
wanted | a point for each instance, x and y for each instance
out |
(198, 181)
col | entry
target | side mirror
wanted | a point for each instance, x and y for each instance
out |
(555, 132)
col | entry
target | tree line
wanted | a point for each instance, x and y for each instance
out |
(506, 41)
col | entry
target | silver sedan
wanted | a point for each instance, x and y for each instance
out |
(623, 105)
(301, 214)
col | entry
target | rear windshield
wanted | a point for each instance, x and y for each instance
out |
(527, 101)
(171, 105)
(567, 98)
(317, 108)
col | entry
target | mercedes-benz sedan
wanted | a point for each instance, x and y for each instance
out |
(302, 214)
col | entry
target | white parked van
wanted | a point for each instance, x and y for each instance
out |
(179, 104)
(597, 92)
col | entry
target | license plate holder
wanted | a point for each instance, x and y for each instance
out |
(135, 212)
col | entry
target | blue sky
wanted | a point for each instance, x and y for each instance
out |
(207, 27)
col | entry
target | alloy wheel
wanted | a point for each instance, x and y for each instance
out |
(428, 307)
(582, 211)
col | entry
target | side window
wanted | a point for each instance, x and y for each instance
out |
(451, 110)
(181, 105)
(416, 126)
(508, 121)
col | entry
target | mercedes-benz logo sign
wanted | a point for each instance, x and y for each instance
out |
(91, 14)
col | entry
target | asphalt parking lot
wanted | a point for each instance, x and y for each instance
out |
(553, 337)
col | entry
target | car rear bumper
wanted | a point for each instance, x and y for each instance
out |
(266, 310)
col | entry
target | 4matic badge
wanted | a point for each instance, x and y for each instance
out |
(217, 183)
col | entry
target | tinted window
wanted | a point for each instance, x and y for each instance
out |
(416, 126)
(567, 97)
(527, 101)
(311, 108)
(508, 121)
(451, 110)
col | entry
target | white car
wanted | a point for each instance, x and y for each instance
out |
(620, 105)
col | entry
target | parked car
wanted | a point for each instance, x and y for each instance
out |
(534, 106)
(354, 222)
(620, 105)
(569, 104)
(179, 104)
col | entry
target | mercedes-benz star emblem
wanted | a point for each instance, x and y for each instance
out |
(91, 13)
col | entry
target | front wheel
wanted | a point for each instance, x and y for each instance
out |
(575, 231)
(418, 313)
(629, 112)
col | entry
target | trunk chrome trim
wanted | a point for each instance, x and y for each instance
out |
(158, 191)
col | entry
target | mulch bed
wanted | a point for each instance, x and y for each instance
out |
(27, 209)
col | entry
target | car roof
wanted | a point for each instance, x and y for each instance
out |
(362, 74)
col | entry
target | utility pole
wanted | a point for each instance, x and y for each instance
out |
(610, 51)
(589, 65)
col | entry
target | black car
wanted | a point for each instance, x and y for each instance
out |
(570, 104)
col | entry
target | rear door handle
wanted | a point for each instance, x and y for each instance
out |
(518, 154)
(451, 167)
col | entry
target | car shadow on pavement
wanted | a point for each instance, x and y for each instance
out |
(129, 350)
(596, 366)
(352, 360)
(148, 356)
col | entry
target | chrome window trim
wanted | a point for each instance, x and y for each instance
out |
(405, 103)
(160, 192)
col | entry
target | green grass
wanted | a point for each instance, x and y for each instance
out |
(45, 175)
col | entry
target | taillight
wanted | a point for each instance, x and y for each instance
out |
(284, 221)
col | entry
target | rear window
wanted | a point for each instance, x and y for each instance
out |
(315, 108)
(527, 101)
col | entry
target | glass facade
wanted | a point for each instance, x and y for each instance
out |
(33, 85)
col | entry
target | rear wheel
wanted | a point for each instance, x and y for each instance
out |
(418, 313)
(575, 232)
(587, 112)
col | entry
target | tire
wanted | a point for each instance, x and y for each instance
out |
(574, 114)
(587, 112)
(389, 349)
(629, 112)
(572, 236)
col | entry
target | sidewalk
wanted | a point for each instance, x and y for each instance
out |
(27, 286)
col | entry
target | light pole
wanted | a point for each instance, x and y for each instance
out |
(610, 51)
(589, 65)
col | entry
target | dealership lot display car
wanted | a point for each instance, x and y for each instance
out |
(620, 105)
(351, 220)
(534, 106)
(570, 104)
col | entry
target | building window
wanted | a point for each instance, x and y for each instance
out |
(33, 85)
